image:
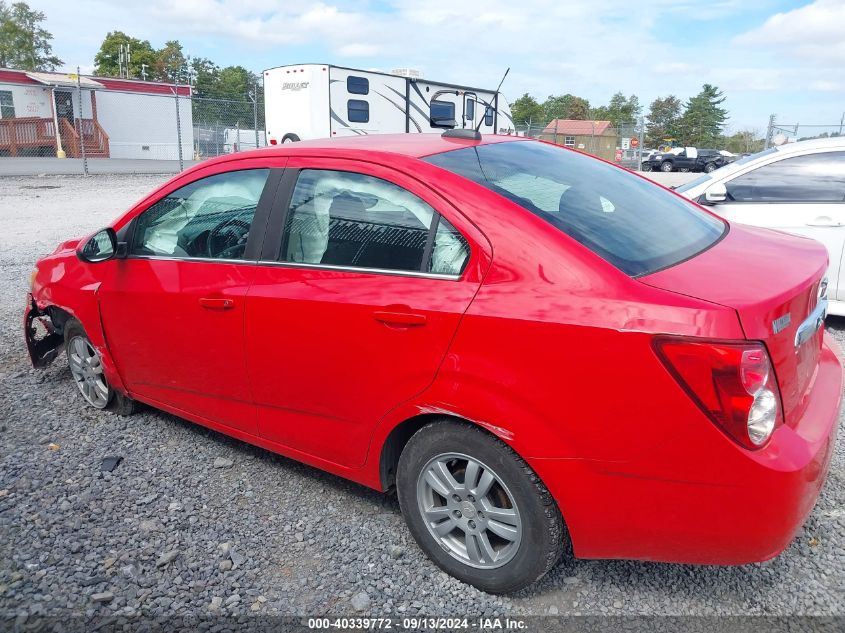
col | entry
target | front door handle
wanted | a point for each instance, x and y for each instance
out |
(406, 319)
(216, 303)
(824, 221)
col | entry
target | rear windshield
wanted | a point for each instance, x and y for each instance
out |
(636, 226)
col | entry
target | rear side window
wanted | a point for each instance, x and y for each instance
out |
(352, 220)
(357, 85)
(442, 114)
(358, 111)
(634, 225)
(810, 178)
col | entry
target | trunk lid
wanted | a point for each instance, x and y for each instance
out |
(772, 280)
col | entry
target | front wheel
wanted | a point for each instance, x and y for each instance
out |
(667, 167)
(86, 367)
(709, 168)
(477, 509)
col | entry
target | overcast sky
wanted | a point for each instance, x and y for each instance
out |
(768, 56)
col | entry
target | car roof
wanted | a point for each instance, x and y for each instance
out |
(411, 145)
(813, 143)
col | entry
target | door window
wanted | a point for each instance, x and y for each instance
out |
(470, 108)
(809, 178)
(346, 219)
(208, 219)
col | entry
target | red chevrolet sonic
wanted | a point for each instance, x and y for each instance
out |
(542, 352)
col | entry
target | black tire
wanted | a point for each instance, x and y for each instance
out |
(710, 168)
(543, 538)
(646, 167)
(116, 401)
(290, 138)
(667, 166)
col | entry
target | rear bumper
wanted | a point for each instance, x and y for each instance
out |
(750, 512)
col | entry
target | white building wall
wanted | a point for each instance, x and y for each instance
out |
(144, 125)
(30, 101)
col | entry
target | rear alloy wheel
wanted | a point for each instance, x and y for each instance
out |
(477, 509)
(86, 366)
(667, 167)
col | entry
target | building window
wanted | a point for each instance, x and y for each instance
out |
(569, 141)
(357, 85)
(358, 111)
(488, 116)
(442, 114)
(7, 105)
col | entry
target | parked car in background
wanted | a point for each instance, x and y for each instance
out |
(798, 187)
(539, 351)
(686, 159)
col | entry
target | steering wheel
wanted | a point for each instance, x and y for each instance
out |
(227, 239)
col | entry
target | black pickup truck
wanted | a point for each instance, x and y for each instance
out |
(705, 160)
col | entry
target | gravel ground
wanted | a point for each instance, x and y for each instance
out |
(193, 522)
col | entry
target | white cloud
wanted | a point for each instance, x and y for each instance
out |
(815, 32)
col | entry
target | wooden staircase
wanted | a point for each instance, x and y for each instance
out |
(87, 131)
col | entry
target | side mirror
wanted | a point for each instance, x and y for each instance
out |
(100, 247)
(715, 193)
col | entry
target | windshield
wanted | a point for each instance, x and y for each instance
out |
(633, 224)
(723, 171)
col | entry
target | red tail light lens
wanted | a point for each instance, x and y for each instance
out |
(733, 383)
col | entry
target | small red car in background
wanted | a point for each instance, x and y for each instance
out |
(539, 350)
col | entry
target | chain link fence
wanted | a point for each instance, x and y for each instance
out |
(126, 127)
(779, 132)
(621, 143)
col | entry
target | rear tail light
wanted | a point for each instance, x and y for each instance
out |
(733, 383)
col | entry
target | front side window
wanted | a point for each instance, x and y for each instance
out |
(339, 218)
(358, 111)
(628, 221)
(7, 105)
(357, 85)
(207, 219)
(810, 178)
(442, 114)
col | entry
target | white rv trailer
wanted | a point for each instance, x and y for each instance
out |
(307, 101)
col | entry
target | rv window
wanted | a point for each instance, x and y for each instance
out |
(442, 114)
(7, 105)
(488, 116)
(357, 85)
(470, 109)
(358, 111)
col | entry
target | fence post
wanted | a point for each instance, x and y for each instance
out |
(81, 130)
(641, 138)
(179, 130)
(770, 131)
(255, 114)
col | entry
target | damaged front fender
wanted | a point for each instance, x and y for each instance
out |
(44, 338)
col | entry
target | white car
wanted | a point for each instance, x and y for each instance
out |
(798, 188)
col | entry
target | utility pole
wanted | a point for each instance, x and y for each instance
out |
(144, 71)
(253, 95)
(770, 131)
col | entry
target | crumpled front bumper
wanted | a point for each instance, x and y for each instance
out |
(43, 342)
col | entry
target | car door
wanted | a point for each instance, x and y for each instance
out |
(802, 194)
(355, 303)
(173, 309)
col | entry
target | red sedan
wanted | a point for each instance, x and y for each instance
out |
(542, 352)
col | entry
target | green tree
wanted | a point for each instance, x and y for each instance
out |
(526, 109)
(620, 111)
(704, 119)
(24, 43)
(142, 57)
(566, 106)
(206, 75)
(663, 117)
(235, 82)
(744, 141)
(170, 63)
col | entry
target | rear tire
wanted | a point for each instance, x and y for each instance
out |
(290, 138)
(500, 530)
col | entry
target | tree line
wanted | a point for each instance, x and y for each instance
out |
(700, 122)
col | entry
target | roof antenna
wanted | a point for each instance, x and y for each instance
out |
(475, 135)
(481, 120)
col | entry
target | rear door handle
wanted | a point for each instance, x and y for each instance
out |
(216, 303)
(399, 318)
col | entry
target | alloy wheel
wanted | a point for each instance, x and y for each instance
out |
(469, 510)
(87, 369)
